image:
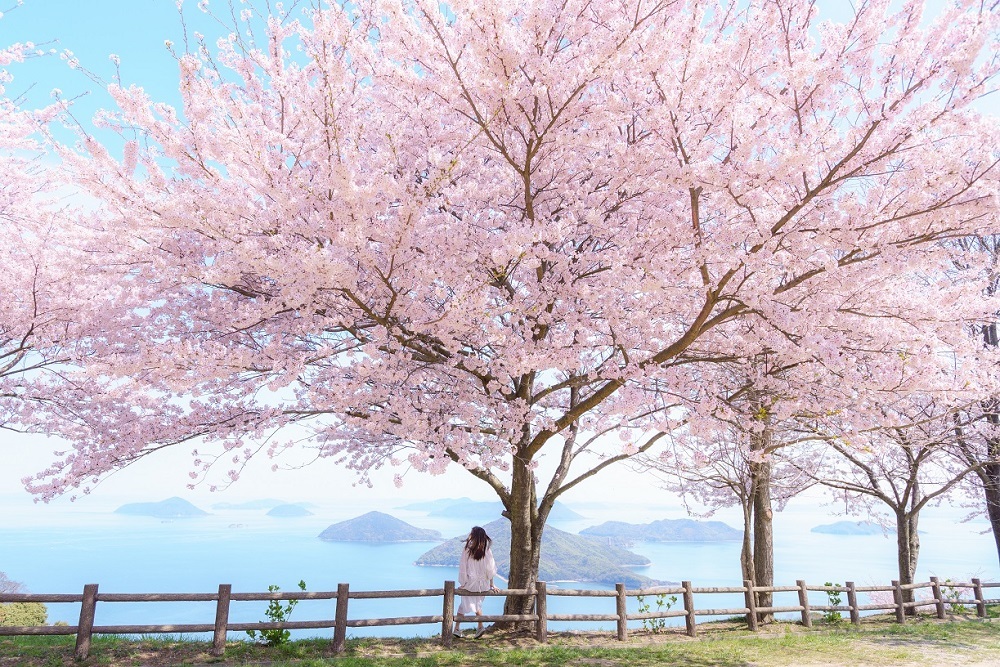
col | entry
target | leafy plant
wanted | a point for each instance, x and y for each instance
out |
(953, 595)
(834, 598)
(20, 613)
(276, 613)
(23, 613)
(663, 603)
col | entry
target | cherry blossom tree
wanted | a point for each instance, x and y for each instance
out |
(978, 429)
(41, 283)
(17, 309)
(748, 451)
(8, 585)
(490, 235)
(719, 470)
(732, 461)
(892, 474)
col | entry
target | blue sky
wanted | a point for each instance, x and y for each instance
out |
(134, 30)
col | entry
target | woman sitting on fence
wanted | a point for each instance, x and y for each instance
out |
(476, 570)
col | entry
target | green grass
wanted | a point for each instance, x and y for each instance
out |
(877, 643)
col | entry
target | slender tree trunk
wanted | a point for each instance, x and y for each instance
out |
(763, 515)
(526, 526)
(907, 551)
(746, 552)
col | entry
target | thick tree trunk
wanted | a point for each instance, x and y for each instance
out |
(763, 535)
(990, 477)
(526, 527)
(763, 515)
(990, 474)
(907, 551)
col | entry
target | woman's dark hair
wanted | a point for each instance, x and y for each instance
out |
(477, 543)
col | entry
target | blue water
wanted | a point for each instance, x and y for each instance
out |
(60, 552)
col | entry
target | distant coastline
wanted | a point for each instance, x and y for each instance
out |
(852, 528)
(171, 508)
(377, 527)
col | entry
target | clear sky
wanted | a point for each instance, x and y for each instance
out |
(135, 32)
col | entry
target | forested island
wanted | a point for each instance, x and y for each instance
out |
(377, 527)
(288, 511)
(850, 528)
(565, 557)
(171, 508)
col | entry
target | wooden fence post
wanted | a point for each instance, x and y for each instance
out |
(852, 602)
(622, 612)
(751, 602)
(541, 604)
(938, 599)
(448, 614)
(977, 588)
(804, 603)
(86, 625)
(221, 620)
(897, 597)
(689, 608)
(340, 621)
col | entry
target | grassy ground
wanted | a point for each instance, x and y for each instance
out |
(880, 643)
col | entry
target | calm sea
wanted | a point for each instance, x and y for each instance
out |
(60, 551)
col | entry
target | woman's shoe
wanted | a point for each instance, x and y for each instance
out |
(480, 632)
(457, 633)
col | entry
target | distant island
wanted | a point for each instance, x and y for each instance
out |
(171, 508)
(665, 530)
(289, 511)
(260, 504)
(377, 527)
(565, 557)
(851, 528)
(480, 511)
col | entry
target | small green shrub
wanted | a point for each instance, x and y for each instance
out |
(276, 613)
(663, 603)
(954, 596)
(834, 599)
(23, 613)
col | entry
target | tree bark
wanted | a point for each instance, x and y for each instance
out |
(526, 527)
(746, 551)
(990, 477)
(763, 515)
(990, 473)
(907, 550)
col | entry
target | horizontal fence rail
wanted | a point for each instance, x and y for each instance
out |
(942, 595)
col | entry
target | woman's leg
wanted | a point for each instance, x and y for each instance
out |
(464, 608)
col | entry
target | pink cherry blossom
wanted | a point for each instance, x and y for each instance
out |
(489, 236)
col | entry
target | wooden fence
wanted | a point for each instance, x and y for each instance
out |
(942, 594)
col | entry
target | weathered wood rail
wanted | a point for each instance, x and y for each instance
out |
(942, 595)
